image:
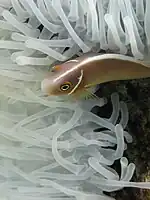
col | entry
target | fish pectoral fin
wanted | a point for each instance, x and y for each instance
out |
(89, 95)
(89, 85)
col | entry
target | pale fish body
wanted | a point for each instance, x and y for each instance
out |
(76, 76)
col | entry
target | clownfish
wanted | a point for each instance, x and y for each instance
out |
(76, 77)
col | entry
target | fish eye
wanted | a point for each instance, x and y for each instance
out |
(66, 86)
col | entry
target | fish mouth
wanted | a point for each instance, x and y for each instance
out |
(45, 86)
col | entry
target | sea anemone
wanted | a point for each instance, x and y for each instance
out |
(49, 148)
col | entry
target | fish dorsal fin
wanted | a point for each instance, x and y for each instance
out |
(87, 55)
(82, 57)
(145, 63)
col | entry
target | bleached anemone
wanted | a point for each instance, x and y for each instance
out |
(49, 147)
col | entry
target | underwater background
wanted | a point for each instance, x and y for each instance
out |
(47, 146)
